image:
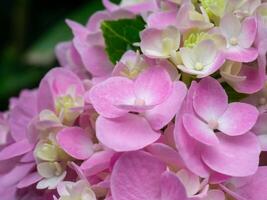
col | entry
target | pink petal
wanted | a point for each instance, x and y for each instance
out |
(234, 156)
(114, 91)
(248, 32)
(162, 20)
(238, 119)
(16, 149)
(254, 81)
(29, 180)
(128, 133)
(68, 57)
(98, 162)
(189, 148)
(94, 23)
(163, 113)
(76, 142)
(199, 130)
(256, 187)
(172, 188)
(210, 99)
(109, 5)
(15, 175)
(142, 7)
(9, 193)
(136, 176)
(22, 113)
(148, 87)
(92, 55)
(166, 154)
(240, 54)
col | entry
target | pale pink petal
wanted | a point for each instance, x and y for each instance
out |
(148, 88)
(230, 26)
(190, 181)
(232, 153)
(156, 43)
(114, 91)
(98, 162)
(16, 149)
(163, 113)
(151, 43)
(210, 99)
(76, 142)
(185, 23)
(239, 54)
(248, 32)
(136, 176)
(199, 130)
(172, 188)
(216, 64)
(238, 119)
(127, 133)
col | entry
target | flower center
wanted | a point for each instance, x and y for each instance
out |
(195, 38)
(167, 45)
(199, 66)
(213, 124)
(234, 41)
(139, 102)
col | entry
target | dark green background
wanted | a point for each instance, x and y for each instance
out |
(30, 29)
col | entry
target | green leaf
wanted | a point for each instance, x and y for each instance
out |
(233, 96)
(120, 36)
(42, 52)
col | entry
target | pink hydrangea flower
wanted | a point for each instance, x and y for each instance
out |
(239, 37)
(199, 62)
(157, 101)
(203, 150)
(132, 130)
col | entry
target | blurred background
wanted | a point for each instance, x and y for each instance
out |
(29, 31)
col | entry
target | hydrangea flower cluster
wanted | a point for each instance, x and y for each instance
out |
(159, 123)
